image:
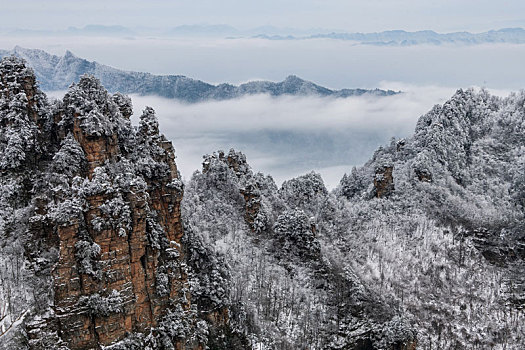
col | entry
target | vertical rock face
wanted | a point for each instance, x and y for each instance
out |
(130, 221)
(102, 207)
(132, 228)
(249, 189)
(384, 182)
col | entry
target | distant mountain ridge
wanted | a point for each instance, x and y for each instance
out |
(57, 73)
(515, 35)
(404, 38)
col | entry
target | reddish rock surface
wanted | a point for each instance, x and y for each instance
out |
(384, 182)
(128, 263)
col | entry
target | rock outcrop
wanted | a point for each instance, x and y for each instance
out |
(384, 182)
(102, 211)
(249, 189)
(133, 256)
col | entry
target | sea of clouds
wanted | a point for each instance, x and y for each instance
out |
(288, 136)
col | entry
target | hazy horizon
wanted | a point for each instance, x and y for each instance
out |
(353, 15)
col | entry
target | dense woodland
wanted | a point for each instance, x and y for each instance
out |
(422, 247)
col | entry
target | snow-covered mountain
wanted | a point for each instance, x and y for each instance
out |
(57, 73)
(104, 247)
(431, 228)
(96, 253)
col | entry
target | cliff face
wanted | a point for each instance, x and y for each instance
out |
(101, 220)
(384, 182)
(132, 255)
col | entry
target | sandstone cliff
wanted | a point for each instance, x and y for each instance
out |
(93, 206)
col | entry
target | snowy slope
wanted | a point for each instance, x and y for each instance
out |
(57, 73)
(427, 238)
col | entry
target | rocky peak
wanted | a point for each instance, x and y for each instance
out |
(293, 80)
(234, 168)
(93, 118)
(18, 85)
(236, 161)
(69, 55)
(124, 104)
(295, 85)
(149, 125)
(105, 229)
(22, 116)
(16, 77)
(304, 190)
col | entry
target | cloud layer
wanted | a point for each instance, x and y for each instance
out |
(288, 136)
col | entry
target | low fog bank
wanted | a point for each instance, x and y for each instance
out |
(289, 136)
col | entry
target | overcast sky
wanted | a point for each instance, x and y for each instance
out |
(349, 15)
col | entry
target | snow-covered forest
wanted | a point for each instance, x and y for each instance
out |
(429, 231)
(103, 246)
